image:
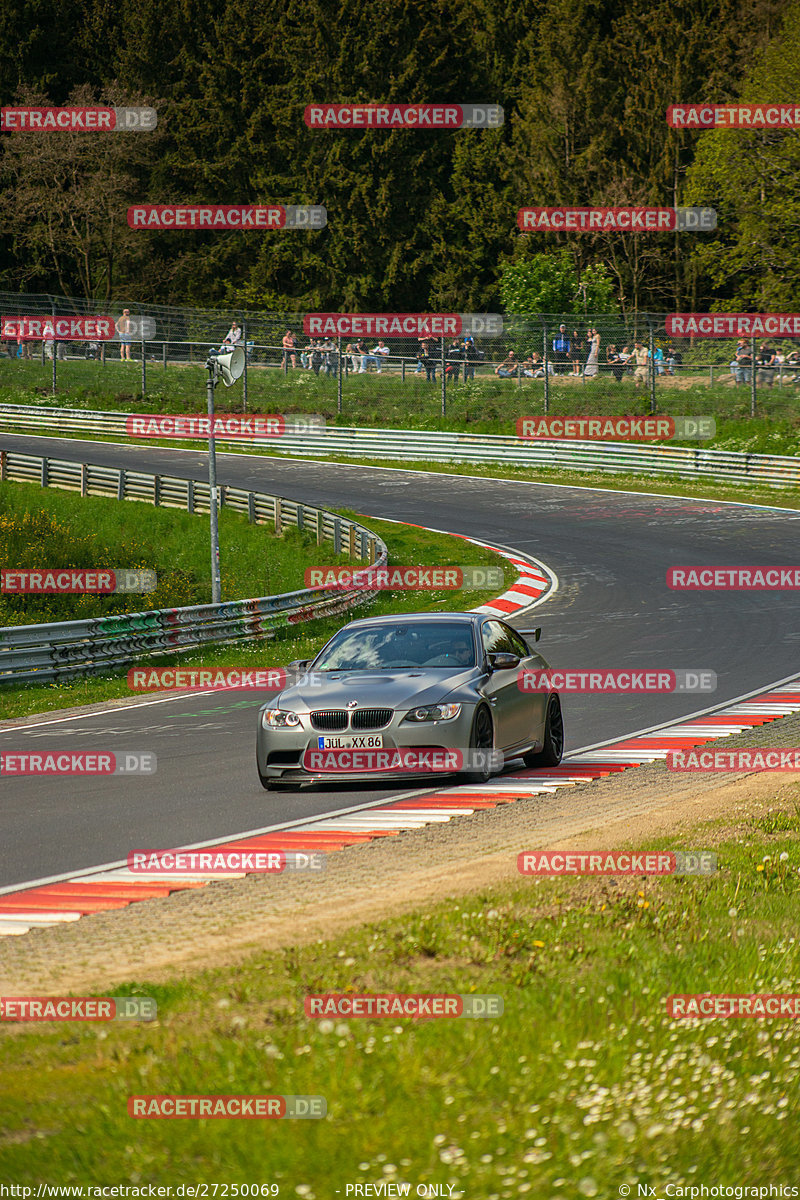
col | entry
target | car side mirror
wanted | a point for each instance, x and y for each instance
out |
(503, 661)
(532, 635)
(299, 664)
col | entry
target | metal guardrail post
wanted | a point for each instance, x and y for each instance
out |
(337, 536)
(3, 465)
(164, 355)
(121, 484)
(190, 495)
(278, 516)
(251, 508)
(84, 479)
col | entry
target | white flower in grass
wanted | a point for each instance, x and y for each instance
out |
(326, 1027)
(588, 1187)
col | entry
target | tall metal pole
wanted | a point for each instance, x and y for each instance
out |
(339, 376)
(144, 366)
(652, 370)
(216, 589)
(54, 348)
(546, 362)
(444, 384)
(752, 376)
(244, 372)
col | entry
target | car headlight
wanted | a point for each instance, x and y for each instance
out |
(434, 712)
(279, 718)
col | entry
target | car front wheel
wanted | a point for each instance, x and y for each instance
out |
(481, 738)
(553, 747)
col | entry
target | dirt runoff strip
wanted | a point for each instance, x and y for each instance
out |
(224, 922)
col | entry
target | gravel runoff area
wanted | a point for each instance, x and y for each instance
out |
(225, 921)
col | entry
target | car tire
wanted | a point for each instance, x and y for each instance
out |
(553, 747)
(481, 738)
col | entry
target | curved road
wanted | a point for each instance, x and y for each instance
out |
(613, 609)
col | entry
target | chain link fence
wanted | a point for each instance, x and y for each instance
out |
(561, 363)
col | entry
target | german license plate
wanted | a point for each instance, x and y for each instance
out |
(369, 741)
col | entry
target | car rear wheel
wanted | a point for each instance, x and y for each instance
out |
(553, 747)
(481, 738)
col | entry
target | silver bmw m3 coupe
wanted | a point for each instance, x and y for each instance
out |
(407, 695)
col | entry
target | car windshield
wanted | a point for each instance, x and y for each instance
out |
(394, 646)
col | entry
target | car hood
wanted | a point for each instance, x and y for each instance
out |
(384, 689)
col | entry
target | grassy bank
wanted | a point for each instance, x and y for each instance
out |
(407, 546)
(583, 1087)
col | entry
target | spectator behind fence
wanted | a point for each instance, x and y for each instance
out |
(669, 358)
(508, 368)
(577, 349)
(616, 362)
(641, 356)
(561, 347)
(124, 328)
(766, 365)
(381, 353)
(368, 359)
(591, 368)
(232, 337)
(455, 357)
(737, 368)
(658, 360)
(331, 356)
(289, 343)
(471, 357)
(745, 360)
(538, 366)
(355, 358)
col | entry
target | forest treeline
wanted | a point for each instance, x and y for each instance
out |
(417, 221)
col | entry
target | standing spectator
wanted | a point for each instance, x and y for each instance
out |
(317, 357)
(577, 347)
(641, 357)
(561, 348)
(48, 337)
(471, 356)
(737, 367)
(455, 356)
(591, 368)
(669, 356)
(658, 359)
(428, 359)
(331, 356)
(289, 343)
(124, 328)
(766, 365)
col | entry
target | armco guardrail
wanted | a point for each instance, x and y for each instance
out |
(411, 445)
(60, 650)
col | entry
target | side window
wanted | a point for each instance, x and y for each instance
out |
(518, 644)
(496, 639)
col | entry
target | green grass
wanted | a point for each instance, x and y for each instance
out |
(50, 528)
(583, 1086)
(485, 405)
(407, 546)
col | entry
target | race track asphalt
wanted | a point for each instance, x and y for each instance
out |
(613, 609)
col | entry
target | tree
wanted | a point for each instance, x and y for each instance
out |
(549, 283)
